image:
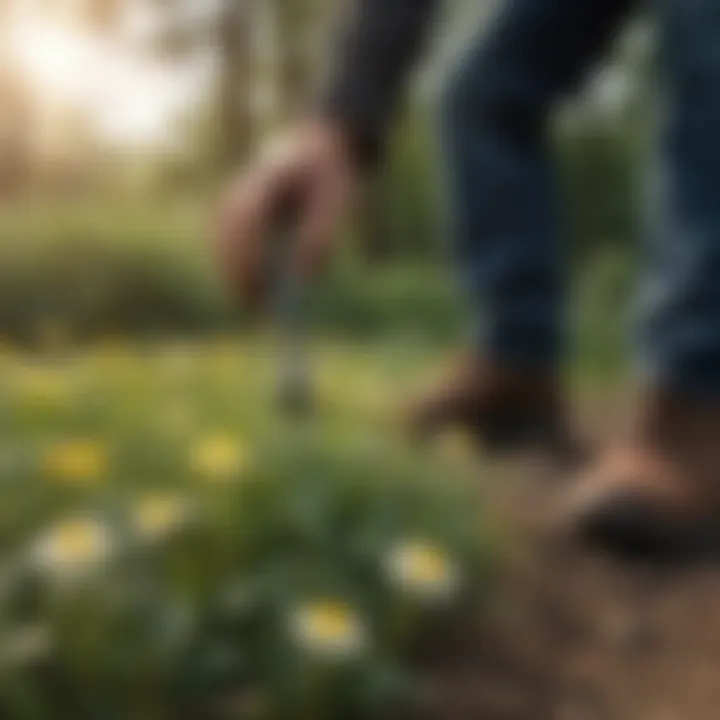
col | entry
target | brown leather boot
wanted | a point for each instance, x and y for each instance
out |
(657, 496)
(505, 409)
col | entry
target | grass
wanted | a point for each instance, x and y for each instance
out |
(171, 547)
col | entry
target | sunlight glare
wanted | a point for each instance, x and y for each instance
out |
(55, 61)
(131, 101)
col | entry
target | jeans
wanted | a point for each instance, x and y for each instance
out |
(503, 200)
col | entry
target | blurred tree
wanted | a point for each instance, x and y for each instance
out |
(300, 23)
(15, 145)
(225, 28)
(236, 130)
(15, 154)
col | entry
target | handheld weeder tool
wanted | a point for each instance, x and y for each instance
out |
(295, 395)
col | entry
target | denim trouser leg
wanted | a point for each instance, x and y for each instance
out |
(502, 197)
(679, 334)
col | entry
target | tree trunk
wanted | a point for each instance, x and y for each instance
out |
(298, 28)
(15, 135)
(235, 92)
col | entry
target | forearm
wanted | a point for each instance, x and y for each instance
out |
(376, 50)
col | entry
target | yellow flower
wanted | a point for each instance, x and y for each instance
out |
(329, 628)
(424, 570)
(74, 547)
(76, 461)
(218, 457)
(159, 515)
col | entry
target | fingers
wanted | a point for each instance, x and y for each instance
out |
(245, 220)
(324, 208)
(304, 183)
(246, 224)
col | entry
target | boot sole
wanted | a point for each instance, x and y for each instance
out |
(628, 530)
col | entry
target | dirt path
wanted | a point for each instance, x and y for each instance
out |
(580, 637)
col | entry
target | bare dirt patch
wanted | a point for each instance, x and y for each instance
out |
(576, 636)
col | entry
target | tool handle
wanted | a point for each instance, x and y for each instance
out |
(290, 315)
(287, 287)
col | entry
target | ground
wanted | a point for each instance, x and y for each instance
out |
(581, 639)
(577, 636)
(568, 635)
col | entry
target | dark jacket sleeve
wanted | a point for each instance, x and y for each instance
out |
(376, 50)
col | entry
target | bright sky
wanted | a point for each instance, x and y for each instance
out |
(132, 101)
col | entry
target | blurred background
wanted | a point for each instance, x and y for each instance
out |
(168, 547)
(120, 118)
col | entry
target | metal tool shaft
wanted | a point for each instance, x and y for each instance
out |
(294, 385)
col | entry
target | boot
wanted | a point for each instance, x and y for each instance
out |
(504, 409)
(657, 495)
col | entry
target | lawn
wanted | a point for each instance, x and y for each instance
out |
(173, 547)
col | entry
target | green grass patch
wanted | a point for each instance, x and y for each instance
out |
(173, 548)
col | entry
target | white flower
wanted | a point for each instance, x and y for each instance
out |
(330, 629)
(424, 570)
(74, 547)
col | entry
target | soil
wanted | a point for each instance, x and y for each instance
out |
(577, 636)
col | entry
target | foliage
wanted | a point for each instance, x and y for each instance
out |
(173, 549)
(146, 270)
(596, 166)
(401, 216)
(600, 314)
(598, 177)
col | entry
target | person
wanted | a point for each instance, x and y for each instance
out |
(659, 486)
